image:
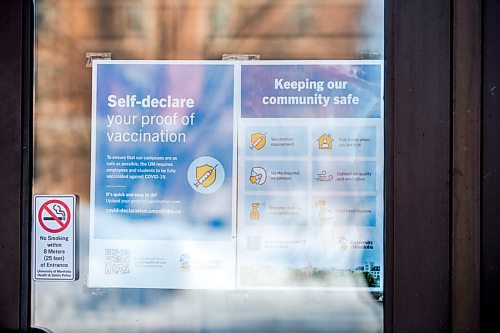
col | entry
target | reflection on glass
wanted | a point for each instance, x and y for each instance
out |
(179, 30)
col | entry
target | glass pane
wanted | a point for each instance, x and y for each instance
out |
(304, 298)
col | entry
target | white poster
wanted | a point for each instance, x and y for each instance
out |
(237, 175)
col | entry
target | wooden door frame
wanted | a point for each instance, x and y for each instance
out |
(490, 245)
(427, 234)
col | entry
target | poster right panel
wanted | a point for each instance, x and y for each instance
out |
(310, 175)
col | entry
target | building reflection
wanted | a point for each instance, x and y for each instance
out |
(175, 30)
(158, 29)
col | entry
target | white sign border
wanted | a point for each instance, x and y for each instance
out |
(74, 211)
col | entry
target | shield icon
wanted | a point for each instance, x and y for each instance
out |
(258, 141)
(205, 175)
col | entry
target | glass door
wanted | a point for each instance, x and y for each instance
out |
(211, 192)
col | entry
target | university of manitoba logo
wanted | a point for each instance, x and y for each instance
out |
(185, 263)
(343, 243)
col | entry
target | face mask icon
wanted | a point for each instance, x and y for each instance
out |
(258, 176)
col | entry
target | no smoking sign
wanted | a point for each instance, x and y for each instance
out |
(54, 216)
(54, 241)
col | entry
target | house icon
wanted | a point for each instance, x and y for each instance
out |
(325, 142)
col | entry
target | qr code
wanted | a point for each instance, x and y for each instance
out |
(117, 261)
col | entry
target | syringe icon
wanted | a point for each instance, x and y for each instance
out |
(207, 174)
(259, 140)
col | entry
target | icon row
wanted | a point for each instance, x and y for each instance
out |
(271, 210)
(258, 141)
(302, 141)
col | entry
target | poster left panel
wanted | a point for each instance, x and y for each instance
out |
(162, 209)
